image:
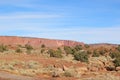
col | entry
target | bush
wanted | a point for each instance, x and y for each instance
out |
(81, 56)
(67, 74)
(32, 64)
(118, 48)
(28, 47)
(86, 46)
(89, 52)
(43, 46)
(114, 54)
(20, 46)
(95, 53)
(3, 48)
(18, 50)
(78, 47)
(55, 74)
(102, 52)
(117, 62)
(54, 53)
(42, 50)
(68, 50)
(28, 51)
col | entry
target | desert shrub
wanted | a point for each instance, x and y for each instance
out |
(28, 47)
(57, 54)
(55, 74)
(28, 51)
(54, 53)
(102, 52)
(32, 64)
(118, 48)
(106, 76)
(117, 62)
(50, 51)
(81, 56)
(95, 53)
(114, 54)
(59, 50)
(20, 46)
(86, 46)
(68, 50)
(42, 50)
(78, 47)
(43, 46)
(3, 48)
(89, 52)
(18, 50)
(67, 74)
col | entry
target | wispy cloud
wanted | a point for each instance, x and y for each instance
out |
(15, 2)
(84, 34)
(52, 19)
(87, 35)
(22, 3)
(27, 15)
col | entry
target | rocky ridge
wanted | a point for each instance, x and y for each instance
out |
(36, 42)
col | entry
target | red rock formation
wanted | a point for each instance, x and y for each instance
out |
(36, 42)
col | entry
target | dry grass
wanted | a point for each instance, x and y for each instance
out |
(102, 77)
(19, 67)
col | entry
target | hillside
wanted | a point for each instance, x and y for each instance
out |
(36, 42)
(29, 58)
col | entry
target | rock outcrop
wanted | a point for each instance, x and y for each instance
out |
(100, 64)
(36, 42)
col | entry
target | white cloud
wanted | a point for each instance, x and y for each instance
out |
(28, 15)
(20, 3)
(87, 35)
(14, 1)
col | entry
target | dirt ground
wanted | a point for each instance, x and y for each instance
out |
(43, 60)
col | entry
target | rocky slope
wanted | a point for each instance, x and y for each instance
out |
(36, 42)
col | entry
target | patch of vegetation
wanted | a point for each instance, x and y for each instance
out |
(32, 64)
(78, 47)
(102, 52)
(68, 50)
(28, 51)
(89, 52)
(28, 47)
(117, 62)
(95, 53)
(18, 50)
(118, 48)
(42, 50)
(81, 56)
(67, 74)
(55, 53)
(43, 46)
(114, 54)
(20, 46)
(86, 46)
(3, 48)
(55, 74)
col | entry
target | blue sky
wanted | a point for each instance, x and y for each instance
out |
(89, 21)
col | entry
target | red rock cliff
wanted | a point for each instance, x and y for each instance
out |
(36, 42)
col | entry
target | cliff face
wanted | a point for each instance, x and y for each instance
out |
(36, 42)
